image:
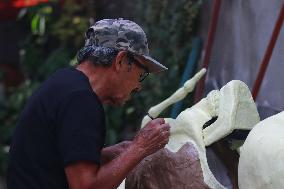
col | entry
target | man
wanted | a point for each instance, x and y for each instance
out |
(58, 142)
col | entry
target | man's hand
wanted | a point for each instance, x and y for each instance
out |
(154, 136)
(87, 174)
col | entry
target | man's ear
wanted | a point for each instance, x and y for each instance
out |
(120, 60)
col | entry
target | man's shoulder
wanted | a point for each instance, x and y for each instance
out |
(59, 86)
(66, 81)
(69, 77)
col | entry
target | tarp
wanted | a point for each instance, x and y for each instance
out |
(243, 33)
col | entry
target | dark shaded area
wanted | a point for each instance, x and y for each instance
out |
(229, 157)
(208, 123)
(237, 134)
(116, 9)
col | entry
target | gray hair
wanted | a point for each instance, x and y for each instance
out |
(97, 55)
(101, 55)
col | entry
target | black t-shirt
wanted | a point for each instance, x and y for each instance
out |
(63, 122)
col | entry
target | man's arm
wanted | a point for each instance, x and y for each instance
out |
(88, 175)
(111, 152)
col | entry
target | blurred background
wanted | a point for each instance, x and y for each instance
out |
(38, 37)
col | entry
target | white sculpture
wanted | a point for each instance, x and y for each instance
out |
(234, 107)
(261, 163)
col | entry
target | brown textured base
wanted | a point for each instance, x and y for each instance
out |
(168, 170)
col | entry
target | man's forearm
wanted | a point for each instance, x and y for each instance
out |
(111, 152)
(88, 175)
(108, 154)
(110, 175)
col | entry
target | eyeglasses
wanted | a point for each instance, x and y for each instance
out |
(144, 74)
(137, 63)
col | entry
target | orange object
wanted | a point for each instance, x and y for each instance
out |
(20, 3)
(9, 9)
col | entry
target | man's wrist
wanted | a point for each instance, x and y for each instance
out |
(137, 149)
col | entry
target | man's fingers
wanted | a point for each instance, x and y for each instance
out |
(164, 131)
(164, 142)
(166, 134)
(156, 135)
(158, 121)
(166, 126)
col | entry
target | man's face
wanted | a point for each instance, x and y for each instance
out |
(128, 78)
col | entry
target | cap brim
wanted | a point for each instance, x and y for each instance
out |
(153, 65)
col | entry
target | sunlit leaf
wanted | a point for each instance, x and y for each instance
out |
(34, 24)
(130, 110)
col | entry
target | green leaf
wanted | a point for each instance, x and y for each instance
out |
(35, 23)
(130, 110)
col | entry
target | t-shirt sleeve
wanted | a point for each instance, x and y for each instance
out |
(81, 131)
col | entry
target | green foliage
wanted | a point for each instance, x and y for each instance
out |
(10, 110)
(57, 33)
(170, 26)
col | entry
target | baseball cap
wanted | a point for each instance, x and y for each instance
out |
(125, 35)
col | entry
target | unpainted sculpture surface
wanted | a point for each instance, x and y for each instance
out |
(261, 163)
(183, 163)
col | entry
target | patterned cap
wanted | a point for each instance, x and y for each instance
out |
(125, 35)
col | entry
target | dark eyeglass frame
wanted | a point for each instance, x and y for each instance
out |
(131, 60)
